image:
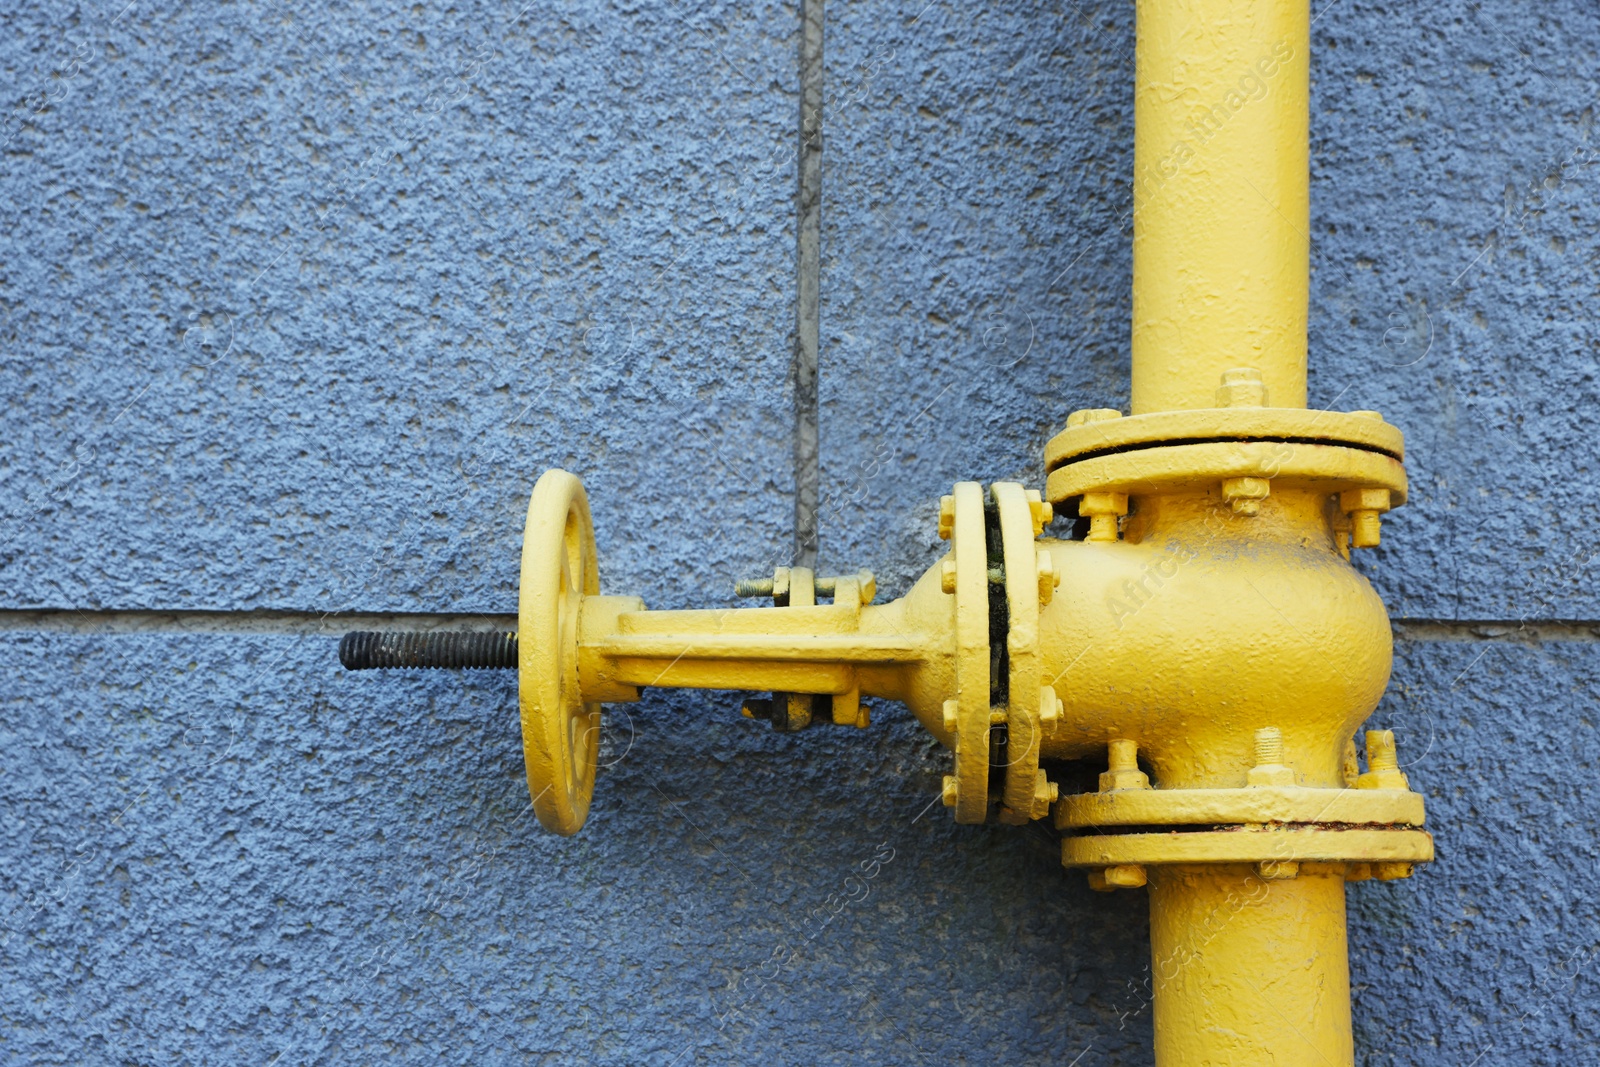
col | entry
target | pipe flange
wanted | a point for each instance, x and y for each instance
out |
(1102, 432)
(1178, 467)
(1242, 451)
(560, 732)
(1251, 844)
(966, 577)
(1254, 804)
(1027, 793)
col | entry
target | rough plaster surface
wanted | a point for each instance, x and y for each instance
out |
(202, 867)
(317, 292)
(223, 848)
(297, 299)
(977, 265)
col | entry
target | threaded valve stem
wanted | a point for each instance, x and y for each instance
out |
(365, 650)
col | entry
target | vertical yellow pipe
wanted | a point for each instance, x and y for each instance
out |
(1221, 208)
(1246, 971)
(1249, 972)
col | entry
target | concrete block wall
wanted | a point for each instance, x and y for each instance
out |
(298, 299)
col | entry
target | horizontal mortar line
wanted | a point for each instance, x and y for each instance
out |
(1516, 631)
(334, 624)
(248, 621)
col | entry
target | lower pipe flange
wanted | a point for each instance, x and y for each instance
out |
(1373, 829)
(1253, 844)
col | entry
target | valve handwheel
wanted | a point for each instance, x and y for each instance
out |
(560, 733)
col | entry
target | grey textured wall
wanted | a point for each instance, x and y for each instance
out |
(296, 300)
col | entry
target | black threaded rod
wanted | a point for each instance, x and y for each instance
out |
(365, 650)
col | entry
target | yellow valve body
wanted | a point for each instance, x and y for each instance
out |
(1207, 636)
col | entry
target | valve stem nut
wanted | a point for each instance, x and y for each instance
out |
(1245, 495)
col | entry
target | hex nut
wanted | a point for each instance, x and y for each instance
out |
(1278, 870)
(1048, 578)
(1041, 511)
(951, 791)
(1246, 494)
(1050, 708)
(1125, 876)
(1085, 416)
(1242, 387)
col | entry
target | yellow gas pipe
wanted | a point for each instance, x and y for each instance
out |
(1208, 637)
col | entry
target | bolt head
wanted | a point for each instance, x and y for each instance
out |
(1366, 529)
(1045, 792)
(951, 791)
(1125, 876)
(1242, 387)
(1085, 416)
(1103, 504)
(1049, 707)
(952, 715)
(1042, 512)
(1364, 500)
(1270, 774)
(947, 517)
(947, 576)
(1278, 870)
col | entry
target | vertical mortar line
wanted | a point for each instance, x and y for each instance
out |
(808, 295)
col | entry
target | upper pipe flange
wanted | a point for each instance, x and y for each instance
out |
(1097, 432)
(1102, 458)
